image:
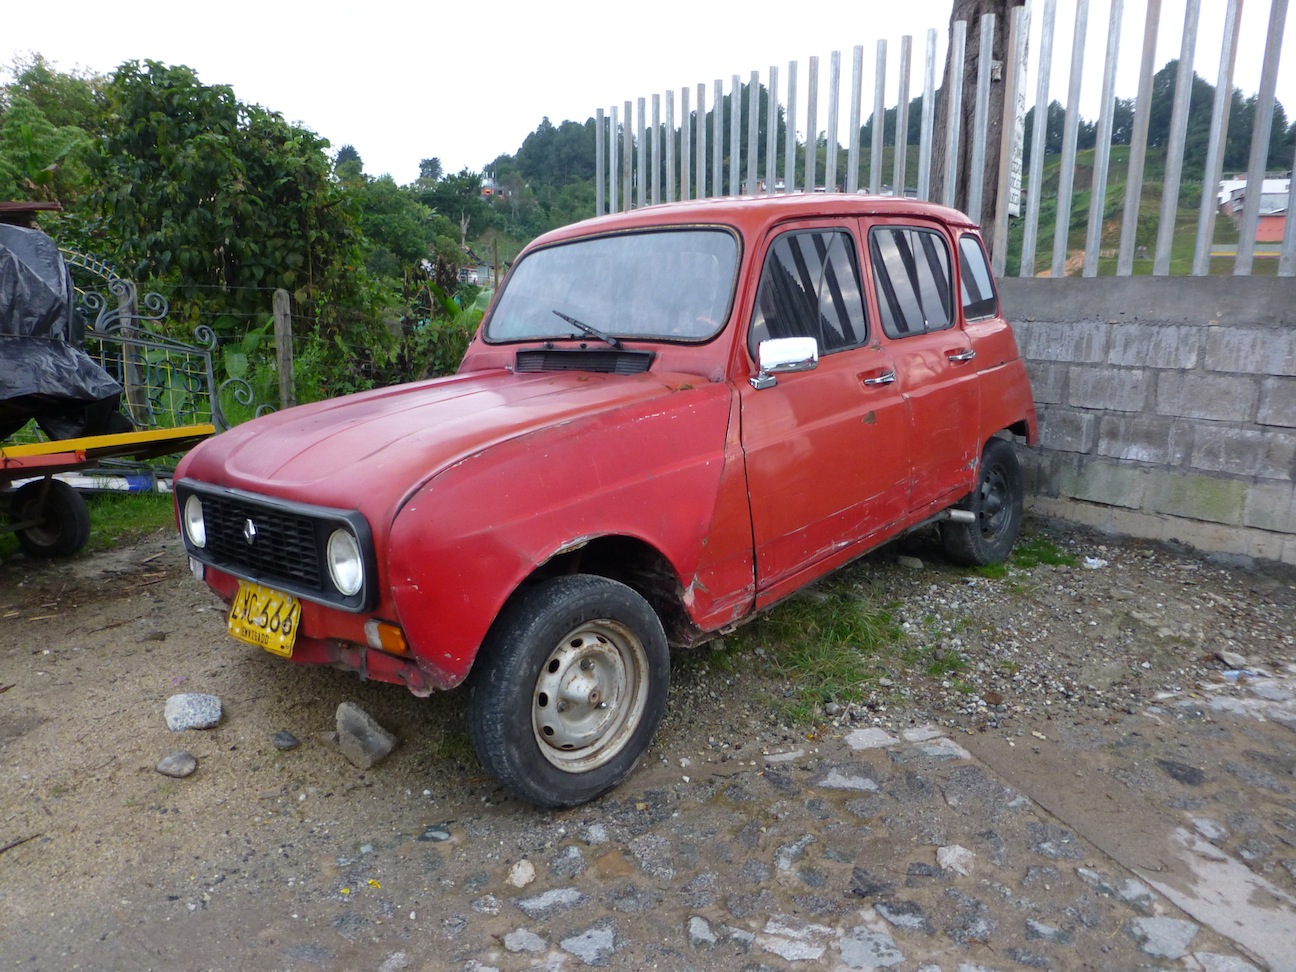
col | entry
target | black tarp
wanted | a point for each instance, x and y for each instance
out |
(44, 373)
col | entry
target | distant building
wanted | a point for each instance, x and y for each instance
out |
(1274, 197)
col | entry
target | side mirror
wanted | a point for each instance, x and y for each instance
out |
(784, 356)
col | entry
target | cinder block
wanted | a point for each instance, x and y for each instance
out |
(1176, 346)
(1216, 397)
(1243, 452)
(1119, 389)
(1048, 381)
(1209, 498)
(1271, 506)
(1277, 402)
(1268, 349)
(1085, 341)
(1142, 438)
(1067, 430)
(1105, 482)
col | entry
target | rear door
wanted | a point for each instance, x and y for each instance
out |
(824, 448)
(936, 372)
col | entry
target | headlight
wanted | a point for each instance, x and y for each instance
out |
(346, 567)
(194, 526)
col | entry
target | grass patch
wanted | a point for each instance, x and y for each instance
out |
(823, 645)
(1033, 551)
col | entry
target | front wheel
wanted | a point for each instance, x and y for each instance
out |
(996, 505)
(569, 689)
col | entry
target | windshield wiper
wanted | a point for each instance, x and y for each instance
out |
(590, 330)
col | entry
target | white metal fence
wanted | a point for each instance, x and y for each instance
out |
(638, 163)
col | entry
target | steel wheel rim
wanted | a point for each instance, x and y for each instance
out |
(590, 696)
(995, 503)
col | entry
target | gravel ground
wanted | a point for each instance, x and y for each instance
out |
(1139, 669)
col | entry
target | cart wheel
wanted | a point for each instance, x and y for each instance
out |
(62, 519)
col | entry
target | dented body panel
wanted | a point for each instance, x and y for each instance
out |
(711, 497)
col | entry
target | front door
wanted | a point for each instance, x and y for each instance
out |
(825, 449)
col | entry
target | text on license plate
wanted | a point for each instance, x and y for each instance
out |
(265, 617)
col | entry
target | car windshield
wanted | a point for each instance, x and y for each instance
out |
(673, 285)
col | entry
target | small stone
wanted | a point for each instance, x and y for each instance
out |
(909, 563)
(1231, 659)
(904, 914)
(1209, 828)
(487, 904)
(284, 741)
(700, 933)
(596, 834)
(190, 710)
(955, 858)
(1163, 937)
(521, 874)
(436, 834)
(836, 779)
(360, 738)
(865, 949)
(789, 854)
(1182, 773)
(870, 739)
(523, 940)
(568, 864)
(1047, 933)
(592, 947)
(178, 765)
(541, 906)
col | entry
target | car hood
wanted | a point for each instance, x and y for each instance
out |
(368, 451)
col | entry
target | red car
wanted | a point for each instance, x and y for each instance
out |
(669, 420)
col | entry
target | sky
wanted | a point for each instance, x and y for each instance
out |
(466, 83)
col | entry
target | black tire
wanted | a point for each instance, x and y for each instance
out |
(997, 505)
(62, 524)
(568, 689)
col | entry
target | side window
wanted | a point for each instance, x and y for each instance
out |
(912, 268)
(810, 287)
(979, 299)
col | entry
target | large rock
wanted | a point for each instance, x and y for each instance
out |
(360, 738)
(190, 710)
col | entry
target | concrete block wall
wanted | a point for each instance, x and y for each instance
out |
(1167, 406)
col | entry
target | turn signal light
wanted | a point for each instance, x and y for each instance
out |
(386, 636)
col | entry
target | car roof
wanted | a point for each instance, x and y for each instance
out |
(752, 214)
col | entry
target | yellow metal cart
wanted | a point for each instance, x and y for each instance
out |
(48, 516)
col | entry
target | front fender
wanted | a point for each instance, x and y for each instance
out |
(666, 471)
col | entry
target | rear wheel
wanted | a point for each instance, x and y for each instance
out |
(59, 520)
(569, 689)
(996, 504)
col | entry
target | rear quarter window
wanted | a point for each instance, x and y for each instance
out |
(978, 289)
(911, 267)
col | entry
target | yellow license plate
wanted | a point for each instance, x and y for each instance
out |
(265, 617)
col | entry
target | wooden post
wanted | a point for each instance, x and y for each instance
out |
(283, 348)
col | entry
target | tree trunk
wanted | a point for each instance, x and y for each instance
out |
(971, 11)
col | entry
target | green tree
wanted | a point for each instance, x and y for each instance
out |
(225, 201)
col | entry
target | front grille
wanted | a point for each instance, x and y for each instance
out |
(289, 542)
(287, 547)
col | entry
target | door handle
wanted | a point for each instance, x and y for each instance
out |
(883, 379)
(967, 355)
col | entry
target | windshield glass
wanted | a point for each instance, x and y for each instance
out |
(672, 285)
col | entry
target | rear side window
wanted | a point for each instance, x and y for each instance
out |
(810, 287)
(912, 269)
(979, 298)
